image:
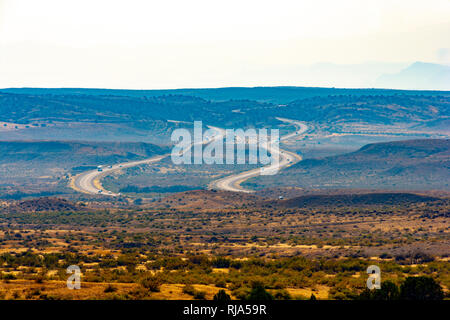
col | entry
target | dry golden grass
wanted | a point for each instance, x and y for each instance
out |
(29, 289)
(175, 292)
(321, 292)
(52, 289)
(221, 270)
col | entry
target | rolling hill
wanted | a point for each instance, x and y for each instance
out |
(120, 118)
(42, 167)
(352, 199)
(44, 204)
(412, 164)
(69, 153)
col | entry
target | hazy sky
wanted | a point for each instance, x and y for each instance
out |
(196, 43)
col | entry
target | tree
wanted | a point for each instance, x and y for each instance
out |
(313, 297)
(259, 293)
(388, 291)
(221, 296)
(421, 288)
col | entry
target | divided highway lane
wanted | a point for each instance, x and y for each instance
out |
(89, 181)
(287, 158)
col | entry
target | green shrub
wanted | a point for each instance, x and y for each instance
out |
(221, 283)
(151, 283)
(221, 262)
(189, 289)
(282, 295)
(199, 295)
(109, 289)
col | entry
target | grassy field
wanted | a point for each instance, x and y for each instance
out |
(193, 244)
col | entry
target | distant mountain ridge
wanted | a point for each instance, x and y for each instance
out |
(277, 94)
(419, 75)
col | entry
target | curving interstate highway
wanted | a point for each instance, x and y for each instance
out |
(89, 181)
(287, 158)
